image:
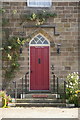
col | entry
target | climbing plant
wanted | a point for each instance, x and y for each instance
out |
(39, 17)
(10, 56)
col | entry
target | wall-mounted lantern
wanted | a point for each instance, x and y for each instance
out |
(58, 48)
(21, 49)
(52, 67)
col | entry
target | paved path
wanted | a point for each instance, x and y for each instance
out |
(45, 112)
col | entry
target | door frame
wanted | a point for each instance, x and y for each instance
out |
(36, 45)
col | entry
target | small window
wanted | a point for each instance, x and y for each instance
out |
(39, 40)
(39, 3)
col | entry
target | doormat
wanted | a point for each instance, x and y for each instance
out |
(39, 96)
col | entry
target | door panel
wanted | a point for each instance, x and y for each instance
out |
(39, 65)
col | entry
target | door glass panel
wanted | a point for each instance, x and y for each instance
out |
(39, 42)
(42, 39)
(33, 42)
(45, 42)
(36, 39)
(39, 36)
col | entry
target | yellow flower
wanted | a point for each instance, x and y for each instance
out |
(34, 16)
(9, 47)
(23, 42)
(78, 91)
(19, 42)
(9, 56)
(14, 11)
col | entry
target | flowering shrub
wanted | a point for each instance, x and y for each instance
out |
(5, 99)
(72, 89)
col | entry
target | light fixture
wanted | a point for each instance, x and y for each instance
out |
(52, 67)
(58, 48)
(20, 49)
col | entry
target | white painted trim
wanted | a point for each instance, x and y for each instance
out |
(39, 5)
(27, 0)
(49, 60)
(39, 44)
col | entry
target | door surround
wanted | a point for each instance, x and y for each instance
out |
(36, 41)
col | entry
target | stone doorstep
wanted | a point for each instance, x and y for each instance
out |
(39, 100)
(39, 96)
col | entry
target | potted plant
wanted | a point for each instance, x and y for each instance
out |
(5, 99)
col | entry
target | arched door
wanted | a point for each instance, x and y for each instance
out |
(39, 63)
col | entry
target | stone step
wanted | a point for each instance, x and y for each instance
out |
(43, 100)
(40, 104)
(42, 95)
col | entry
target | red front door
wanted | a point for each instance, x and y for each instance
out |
(39, 68)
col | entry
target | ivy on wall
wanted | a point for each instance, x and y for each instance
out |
(10, 57)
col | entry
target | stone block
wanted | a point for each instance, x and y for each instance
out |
(59, 8)
(73, 3)
(64, 20)
(62, 3)
(69, 8)
(66, 24)
(54, 3)
(67, 68)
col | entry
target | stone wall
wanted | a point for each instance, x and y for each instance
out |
(66, 24)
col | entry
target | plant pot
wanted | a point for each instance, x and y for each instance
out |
(11, 104)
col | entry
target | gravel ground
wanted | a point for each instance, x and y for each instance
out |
(39, 112)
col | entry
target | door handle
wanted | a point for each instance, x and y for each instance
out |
(39, 61)
(31, 71)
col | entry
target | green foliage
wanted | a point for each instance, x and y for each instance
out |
(5, 99)
(2, 10)
(10, 55)
(72, 88)
(39, 17)
(5, 21)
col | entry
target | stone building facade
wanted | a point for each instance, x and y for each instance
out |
(61, 30)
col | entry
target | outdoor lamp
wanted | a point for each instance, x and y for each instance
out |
(21, 50)
(52, 67)
(14, 82)
(58, 48)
